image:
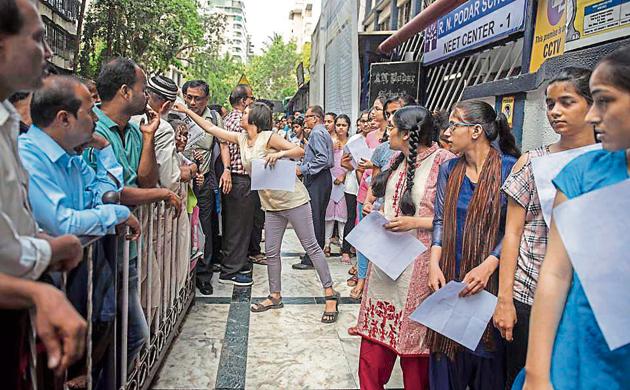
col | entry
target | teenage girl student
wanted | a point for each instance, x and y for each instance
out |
(373, 139)
(281, 207)
(380, 161)
(408, 188)
(351, 191)
(568, 99)
(337, 211)
(467, 232)
(566, 347)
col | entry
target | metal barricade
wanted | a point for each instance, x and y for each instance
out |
(166, 293)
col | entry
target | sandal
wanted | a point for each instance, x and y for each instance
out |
(275, 304)
(356, 294)
(352, 270)
(330, 317)
(259, 259)
(352, 281)
(327, 251)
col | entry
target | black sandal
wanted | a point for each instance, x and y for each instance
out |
(330, 317)
(275, 304)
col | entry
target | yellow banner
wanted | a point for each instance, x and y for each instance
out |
(550, 32)
(507, 107)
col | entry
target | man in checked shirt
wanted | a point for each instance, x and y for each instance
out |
(239, 202)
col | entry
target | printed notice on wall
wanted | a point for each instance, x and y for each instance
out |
(595, 21)
(472, 25)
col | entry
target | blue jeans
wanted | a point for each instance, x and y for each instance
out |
(362, 261)
(137, 328)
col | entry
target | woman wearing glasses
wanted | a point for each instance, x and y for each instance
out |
(468, 229)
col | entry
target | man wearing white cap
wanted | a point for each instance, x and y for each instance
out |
(162, 92)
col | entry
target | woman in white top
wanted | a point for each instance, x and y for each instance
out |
(281, 207)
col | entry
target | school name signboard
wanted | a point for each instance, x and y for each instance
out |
(471, 25)
(389, 78)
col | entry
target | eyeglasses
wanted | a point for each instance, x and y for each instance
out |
(453, 125)
(310, 116)
(192, 98)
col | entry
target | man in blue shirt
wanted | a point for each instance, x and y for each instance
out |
(65, 192)
(318, 159)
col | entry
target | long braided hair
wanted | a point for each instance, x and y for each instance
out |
(418, 123)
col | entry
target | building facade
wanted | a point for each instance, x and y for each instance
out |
(237, 42)
(301, 19)
(60, 19)
(388, 15)
(503, 53)
(334, 64)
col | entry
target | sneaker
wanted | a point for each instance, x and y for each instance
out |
(238, 280)
(246, 271)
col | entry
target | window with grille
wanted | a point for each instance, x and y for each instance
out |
(61, 42)
(68, 9)
(445, 82)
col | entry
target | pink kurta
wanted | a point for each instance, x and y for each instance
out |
(387, 304)
(336, 211)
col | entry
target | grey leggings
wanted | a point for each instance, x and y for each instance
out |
(302, 221)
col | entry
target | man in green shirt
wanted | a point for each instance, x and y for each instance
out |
(121, 86)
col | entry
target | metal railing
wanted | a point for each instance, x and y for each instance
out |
(166, 287)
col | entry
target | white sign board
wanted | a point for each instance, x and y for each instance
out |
(472, 25)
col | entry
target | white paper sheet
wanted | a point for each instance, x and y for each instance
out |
(390, 251)
(546, 168)
(594, 228)
(279, 177)
(462, 320)
(358, 149)
(337, 193)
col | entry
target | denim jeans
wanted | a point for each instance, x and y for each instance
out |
(137, 328)
(362, 261)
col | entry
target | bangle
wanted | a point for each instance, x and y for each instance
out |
(227, 169)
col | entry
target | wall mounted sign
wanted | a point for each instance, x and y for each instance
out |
(473, 24)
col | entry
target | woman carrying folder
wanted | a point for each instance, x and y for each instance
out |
(281, 207)
(567, 349)
(467, 234)
(408, 188)
(568, 99)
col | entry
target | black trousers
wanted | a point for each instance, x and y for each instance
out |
(206, 201)
(351, 209)
(259, 224)
(516, 351)
(238, 221)
(319, 187)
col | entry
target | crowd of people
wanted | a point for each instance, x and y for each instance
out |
(77, 156)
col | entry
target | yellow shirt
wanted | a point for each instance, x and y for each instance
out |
(270, 200)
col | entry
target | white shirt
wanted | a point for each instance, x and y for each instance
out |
(165, 153)
(21, 254)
